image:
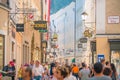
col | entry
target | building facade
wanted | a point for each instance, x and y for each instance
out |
(64, 23)
(107, 30)
(4, 23)
(22, 46)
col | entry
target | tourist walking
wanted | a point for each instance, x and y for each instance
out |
(98, 72)
(62, 73)
(114, 72)
(84, 73)
(70, 76)
(10, 70)
(27, 73)
(75, 70)
(38, 71)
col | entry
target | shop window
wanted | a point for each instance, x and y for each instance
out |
(1, 51)
(115, 58)
(25, 54)
(13, 46)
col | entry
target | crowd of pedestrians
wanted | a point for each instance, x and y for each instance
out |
(56, 71)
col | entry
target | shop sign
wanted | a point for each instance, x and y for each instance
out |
(44, 44)
(100, 57)
(80, 46)
(43, 31)
(55, 37)
(83, 40)
(87, 33)
(40, 25)
(20, 27)
(113, 19)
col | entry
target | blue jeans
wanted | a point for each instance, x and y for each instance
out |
(20, 79)
(37, 77)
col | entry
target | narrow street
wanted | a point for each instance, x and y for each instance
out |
(59, 40)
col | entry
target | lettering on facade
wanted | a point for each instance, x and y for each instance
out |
(83, 40)
(20, 27)
(40, 25)
(113, 19)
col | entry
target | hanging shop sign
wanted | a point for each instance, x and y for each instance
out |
(20, 27)
(80, 45)
(44, 44)
(43, 31)
(55, 37)
(40, 25)
(83, 40)
(87, 33)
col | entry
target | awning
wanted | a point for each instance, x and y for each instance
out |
(114, 40)
(114, 44)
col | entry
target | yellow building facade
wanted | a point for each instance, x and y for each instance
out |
(4, 20)
(108, 30)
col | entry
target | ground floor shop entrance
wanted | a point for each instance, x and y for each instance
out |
(115, 53)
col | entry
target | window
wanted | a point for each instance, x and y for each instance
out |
(12, 55)
(1, 51)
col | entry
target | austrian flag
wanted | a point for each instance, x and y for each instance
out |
(30, 16)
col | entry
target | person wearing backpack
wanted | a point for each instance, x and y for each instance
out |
(10, 70)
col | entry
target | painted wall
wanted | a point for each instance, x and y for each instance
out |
(100, 18)
(103, 47)
(113, 10)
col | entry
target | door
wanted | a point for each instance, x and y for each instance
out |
(115, 58)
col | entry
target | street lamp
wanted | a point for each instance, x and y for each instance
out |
(89, 34)
(84, 16)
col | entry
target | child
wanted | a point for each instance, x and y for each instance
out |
(20, 73)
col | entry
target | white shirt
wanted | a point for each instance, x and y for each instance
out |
(38, 71)
(71, 77)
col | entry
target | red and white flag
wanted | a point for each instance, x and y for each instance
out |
(30, 16)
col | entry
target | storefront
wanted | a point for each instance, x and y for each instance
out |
(93, 50)
(115, 53)
(2, 53)
(4, 18)
(26, 55)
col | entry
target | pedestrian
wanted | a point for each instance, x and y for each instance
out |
(70, 76)
(80, 68)
(31, 64)
(107, 64)
(84, 73)
(10, 70)
(114, 72)
(53, 74)
(45, 74)
(20, 73)
(46, 65)
(38, 71)
(91, 71)
(61, 73)
(0, 76)
(103, 62)
(27, 73)
(14, 62)
(98, 72)
(107, 71)
(75, 70)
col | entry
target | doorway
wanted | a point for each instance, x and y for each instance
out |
(115, 58)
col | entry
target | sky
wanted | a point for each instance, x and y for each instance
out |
(56, 5)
